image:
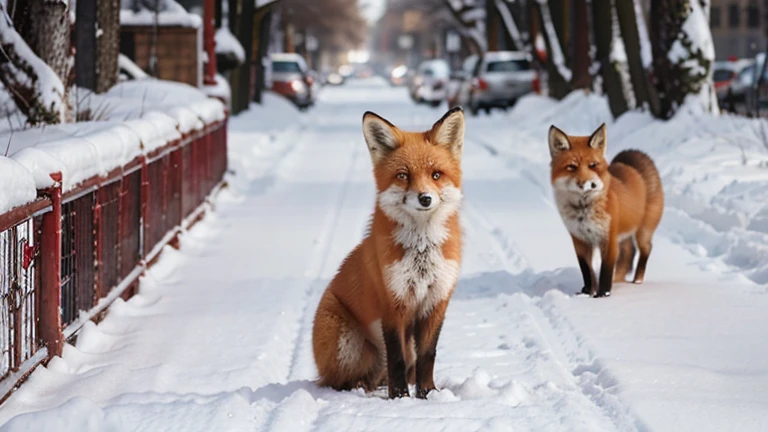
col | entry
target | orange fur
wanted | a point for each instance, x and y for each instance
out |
(605, 206)
(381, 315)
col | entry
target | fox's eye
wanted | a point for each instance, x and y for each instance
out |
(435, 175)
(593, 164)
(571, 167)
(402, 176)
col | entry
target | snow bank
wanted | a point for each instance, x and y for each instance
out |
(714, 170)
(18, 185)
(140, 116)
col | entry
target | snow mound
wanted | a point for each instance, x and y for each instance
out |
(18, 185)
(141, 116)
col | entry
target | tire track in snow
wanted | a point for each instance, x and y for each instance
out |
(578, 363)
(299, 410)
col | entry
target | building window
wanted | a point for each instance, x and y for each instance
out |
(714, 17)
(753, 15)
(733, 15)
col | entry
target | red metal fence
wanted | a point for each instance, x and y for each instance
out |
(63, 259)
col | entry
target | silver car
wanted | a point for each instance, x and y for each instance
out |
(495, 80)
(430, 82)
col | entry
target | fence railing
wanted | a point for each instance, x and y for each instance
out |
(65, 257)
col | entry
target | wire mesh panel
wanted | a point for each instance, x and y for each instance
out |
(18, 284)
(189, 184)
(130, 228)
(109, 237)
(173, 190)
(155, 226)
(219, 153)
(78, 259)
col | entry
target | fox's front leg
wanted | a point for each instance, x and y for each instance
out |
(427, 333)
(394, 341)
(584, 255)
(609, 254)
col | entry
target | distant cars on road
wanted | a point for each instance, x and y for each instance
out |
(292, 79)
(495, 80)
(429, 83)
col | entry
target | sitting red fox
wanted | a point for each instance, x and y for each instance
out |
(384, 309)
(605, 206)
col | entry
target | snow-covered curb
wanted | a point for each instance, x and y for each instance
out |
(144, 115)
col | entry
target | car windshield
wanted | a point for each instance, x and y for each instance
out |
(286, 66)
(437, 69)
(508, 66)
(722, 75)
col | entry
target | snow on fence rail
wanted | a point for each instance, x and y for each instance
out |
(68, 250)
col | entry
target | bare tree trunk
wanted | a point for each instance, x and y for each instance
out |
(581, 60)
(97, 39)
(602, 25)
(557, 72)
(36, 89)
(645, 94)
(683, 54)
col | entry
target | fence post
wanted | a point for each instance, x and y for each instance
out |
(50, 277)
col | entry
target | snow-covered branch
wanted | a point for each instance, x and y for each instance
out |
(36, 89)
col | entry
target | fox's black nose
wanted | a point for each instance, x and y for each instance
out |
(425, 200)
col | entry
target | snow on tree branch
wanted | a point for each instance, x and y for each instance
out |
(36, 89)
(557, 52)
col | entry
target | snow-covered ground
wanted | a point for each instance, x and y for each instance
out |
(218, 338)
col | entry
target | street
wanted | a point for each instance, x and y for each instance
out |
(219, 337)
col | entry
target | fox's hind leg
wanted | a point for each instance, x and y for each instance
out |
(625, 261)
(644, 245)
(345, 359)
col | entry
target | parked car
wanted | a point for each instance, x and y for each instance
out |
(430, 82)
(727, 76)
(292, 79)
(495, 80)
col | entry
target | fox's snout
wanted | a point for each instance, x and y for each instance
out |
(425, 200)
(587, 185)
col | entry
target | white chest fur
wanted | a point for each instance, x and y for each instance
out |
(423, 277)
(582, 221)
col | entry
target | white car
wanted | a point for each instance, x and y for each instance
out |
(430, 83)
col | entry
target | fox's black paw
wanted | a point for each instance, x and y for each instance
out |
(422, 393)
(603, 294)
(585, 291)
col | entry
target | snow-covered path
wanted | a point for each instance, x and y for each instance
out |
(219, 337)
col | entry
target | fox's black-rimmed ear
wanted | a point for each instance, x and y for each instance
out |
(380, 136)
(449, 131)
(599, 139)
(558, 141)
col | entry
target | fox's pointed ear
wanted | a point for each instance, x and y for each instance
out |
(599, 139)
(380, 135)
(449, 131)
(558, 141)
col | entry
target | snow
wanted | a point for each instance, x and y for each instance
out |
(132, 68)
(48, 85)
(557, 52)
(141, 116)
(169, 13)
(219, 335)
(227, 43)
(646, 53)
(18, 185)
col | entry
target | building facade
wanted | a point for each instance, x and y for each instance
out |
(738, 27)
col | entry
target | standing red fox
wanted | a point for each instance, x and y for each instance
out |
(384, 309)
(610, 207)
